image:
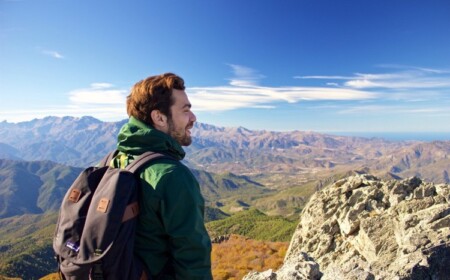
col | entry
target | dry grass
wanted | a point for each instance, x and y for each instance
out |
(236, 257)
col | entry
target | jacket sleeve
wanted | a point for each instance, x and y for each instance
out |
(182, 213)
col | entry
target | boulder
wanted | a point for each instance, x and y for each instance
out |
(362, 227)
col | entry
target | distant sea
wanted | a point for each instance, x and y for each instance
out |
(399, 136)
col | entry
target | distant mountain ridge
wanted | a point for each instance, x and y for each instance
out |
(69, 140)
(83, 141)
(243, 151)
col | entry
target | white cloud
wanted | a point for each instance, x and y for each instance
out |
(332, 84)
(244, 76)
(53, 54)
(369, 109)
(402, 80)
(423, 110)
(409, 67)
(98, 93)
(111, 113)
(408, 79)
(100, 100)
(361, 83)
(244, 92)
(392, 109)
(324, 77)
(101, 85)
(414, 91)
(234, 97)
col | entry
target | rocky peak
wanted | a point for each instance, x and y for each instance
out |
(363, 228)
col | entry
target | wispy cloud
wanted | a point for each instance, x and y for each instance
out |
(105, 113)
(409, 67)
(244, 76)
(53, 54)
(416, 91)
(101, 100)
(404, 80)
(411, 84)
(393, 109)
(244, 91)
(325, 77)
(407, 79)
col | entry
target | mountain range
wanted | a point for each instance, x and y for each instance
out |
(298, 154)
(238, 169)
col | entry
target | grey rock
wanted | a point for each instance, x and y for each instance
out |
(364, 228)
(300, 267)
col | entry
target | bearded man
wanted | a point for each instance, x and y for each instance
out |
(171, 239)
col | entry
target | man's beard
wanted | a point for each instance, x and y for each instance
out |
(181, 137)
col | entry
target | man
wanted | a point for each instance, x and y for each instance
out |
(171, 238)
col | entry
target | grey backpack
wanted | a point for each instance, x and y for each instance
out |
(94, 237)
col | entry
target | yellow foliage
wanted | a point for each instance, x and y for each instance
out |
(53, 276)
(234, 258)
(7, 278)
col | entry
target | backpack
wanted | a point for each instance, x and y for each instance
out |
(94, 237)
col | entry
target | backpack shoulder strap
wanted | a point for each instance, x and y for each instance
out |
(145, 158)
(132, 210)
(107, 159)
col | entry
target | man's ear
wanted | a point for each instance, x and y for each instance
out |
(159, 119)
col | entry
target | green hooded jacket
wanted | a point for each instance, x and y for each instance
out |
(170, 235)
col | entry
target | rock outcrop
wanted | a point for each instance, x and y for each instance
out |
(363, 228)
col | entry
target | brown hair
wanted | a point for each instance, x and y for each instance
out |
(153, 93)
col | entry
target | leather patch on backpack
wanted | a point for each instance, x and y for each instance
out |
(103, 205)
(131, 211)
(75, 195)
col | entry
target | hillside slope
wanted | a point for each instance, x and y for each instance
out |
(33, 187)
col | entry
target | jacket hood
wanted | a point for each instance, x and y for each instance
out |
(136, 137)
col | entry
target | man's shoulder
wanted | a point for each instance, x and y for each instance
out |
(168, 167)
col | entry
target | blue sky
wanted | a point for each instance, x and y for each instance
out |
(326, 66)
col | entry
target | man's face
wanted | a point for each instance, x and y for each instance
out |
(182, 119)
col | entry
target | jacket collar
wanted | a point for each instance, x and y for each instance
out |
(137, 137)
